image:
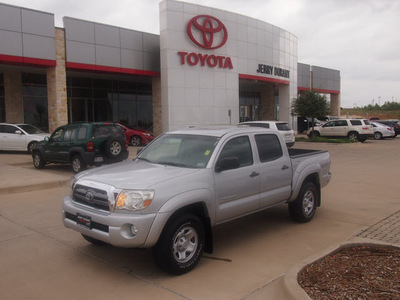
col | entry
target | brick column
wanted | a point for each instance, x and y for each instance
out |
(157, 108)
(335, 105)
(13, 97)
(267, 102)
(57, 86)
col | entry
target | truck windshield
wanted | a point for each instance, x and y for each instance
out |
(190, 151)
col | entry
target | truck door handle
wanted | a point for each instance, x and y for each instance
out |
(254, 174)
(284, 167)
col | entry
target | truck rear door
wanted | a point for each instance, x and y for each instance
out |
(237, 190)
(275, 170)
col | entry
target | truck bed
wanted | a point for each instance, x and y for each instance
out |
(294, 153)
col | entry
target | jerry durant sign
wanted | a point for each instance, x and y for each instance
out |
(265, 69)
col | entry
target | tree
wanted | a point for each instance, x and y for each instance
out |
(312, 105)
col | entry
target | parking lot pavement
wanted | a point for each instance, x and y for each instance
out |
(18, 173)
(41, 259)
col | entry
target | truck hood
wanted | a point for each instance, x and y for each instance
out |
(136, 174)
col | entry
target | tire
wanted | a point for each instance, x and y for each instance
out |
(314, 134)
(38, 161)
(181, 245)
(353, 136)
(113, 148)
(378, 136)
(77, 163)
(304, 207)
(31, 146)
(93, 240)
(135, 141)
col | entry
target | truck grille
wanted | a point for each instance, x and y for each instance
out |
(92, 197)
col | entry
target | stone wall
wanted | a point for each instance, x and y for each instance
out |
(56, 86)
(13, 97)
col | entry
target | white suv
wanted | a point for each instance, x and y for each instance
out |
(283, 128)
(354, 129)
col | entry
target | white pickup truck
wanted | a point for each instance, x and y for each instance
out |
(185, 182)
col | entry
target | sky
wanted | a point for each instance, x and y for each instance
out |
(360, 38)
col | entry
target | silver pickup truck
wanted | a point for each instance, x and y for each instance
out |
(185, 182)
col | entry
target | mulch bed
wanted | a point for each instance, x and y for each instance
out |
(354, 273)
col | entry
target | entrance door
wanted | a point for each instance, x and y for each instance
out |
(249, 106)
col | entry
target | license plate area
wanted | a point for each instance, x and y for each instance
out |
(84, 221)
(98, 159)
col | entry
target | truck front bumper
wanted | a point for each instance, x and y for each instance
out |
(128, 230)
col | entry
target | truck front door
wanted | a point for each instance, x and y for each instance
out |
(237, 190)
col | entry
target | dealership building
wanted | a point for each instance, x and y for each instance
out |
(207, 67)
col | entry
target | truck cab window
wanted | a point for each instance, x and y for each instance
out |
(238, 147)
(269, 147)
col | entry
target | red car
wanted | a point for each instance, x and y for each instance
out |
(137, 137)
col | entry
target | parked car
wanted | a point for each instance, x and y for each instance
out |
(283, 128)
(304, 124)
(354, 129)
(393, 123)
(382, 131)
(323, 120)
(82, 145)
(136, 137)
(20, 137)
(185, 183)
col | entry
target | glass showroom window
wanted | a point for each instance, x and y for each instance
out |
(34, 93)
(98, 99)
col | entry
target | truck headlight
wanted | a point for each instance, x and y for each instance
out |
(133, 200)
(72, 185)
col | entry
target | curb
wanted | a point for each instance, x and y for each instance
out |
(34, 187)
(289, 281)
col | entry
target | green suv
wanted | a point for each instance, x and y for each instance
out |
(82, 145)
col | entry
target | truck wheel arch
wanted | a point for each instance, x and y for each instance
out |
(313, 176)
(198, 209)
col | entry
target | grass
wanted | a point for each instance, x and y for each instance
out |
(325, 140)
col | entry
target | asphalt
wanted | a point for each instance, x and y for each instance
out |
(17, 174)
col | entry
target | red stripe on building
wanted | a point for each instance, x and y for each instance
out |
(322, 91)
(326, 91)
(20, 60)
(89, 67)
(266, 79)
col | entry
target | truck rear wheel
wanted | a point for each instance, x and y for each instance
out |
(181, 245)
(304, 207)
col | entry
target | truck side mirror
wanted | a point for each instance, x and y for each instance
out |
(227, 163)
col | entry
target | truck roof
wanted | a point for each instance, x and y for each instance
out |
(219, 131)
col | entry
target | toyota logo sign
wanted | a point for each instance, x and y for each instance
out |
(89, 196)
(207, 32)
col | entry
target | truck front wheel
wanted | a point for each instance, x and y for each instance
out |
(181, 245)
(304, 207)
